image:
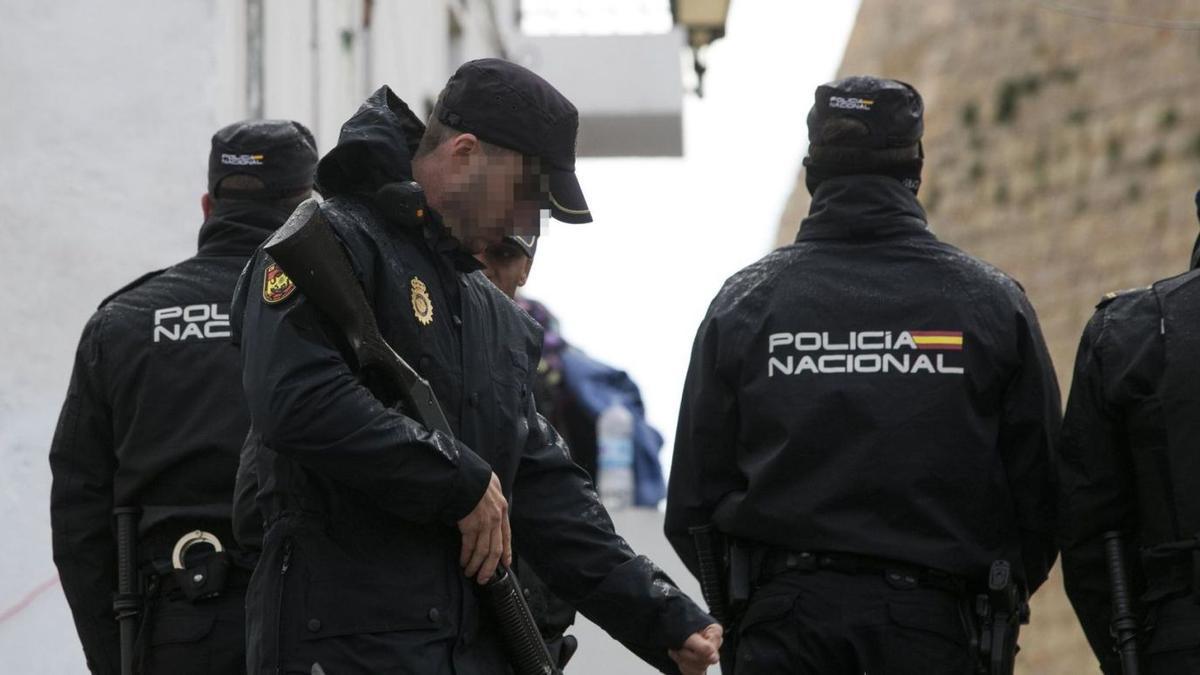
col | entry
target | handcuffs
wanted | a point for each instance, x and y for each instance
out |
(206, 578)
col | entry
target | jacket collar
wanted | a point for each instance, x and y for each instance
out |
(863, 207)
(437, 236)
(236, 228)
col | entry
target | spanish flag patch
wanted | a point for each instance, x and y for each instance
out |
(937, 339)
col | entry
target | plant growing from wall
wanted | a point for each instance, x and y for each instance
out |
(1169, 119)
(1115, 150)
(970, 114)
(1155, 157)
(975, 173)
(1007, 99)
(1064, 74)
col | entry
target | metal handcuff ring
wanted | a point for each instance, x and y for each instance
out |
(189, 540)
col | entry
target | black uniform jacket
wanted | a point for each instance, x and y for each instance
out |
(154, 417)
(871, 390)
(360, 501)
(1113, 467)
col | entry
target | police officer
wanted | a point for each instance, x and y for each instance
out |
(1128, 464)
(507, 264)
(378, 529)
(154, 419)
(868, 416)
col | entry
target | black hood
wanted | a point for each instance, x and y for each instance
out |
(866, 206)
(376, 147)
(237, 227)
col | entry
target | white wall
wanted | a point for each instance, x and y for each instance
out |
(106, 110)
(104, 130)
(407, 46)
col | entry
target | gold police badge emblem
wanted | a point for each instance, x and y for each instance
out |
(422, 305)
(277, 287)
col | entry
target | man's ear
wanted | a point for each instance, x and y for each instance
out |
(462, 145)
(205, 205)
(525, 272)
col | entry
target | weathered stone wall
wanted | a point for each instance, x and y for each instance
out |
(1064, 149)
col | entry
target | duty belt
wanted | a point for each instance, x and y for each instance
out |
(200, 577)
(897, 574)
(206, 577)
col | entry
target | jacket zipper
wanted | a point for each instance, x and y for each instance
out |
(283, 568)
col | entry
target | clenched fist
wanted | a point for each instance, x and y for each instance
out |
(701, 650)
(486, 540)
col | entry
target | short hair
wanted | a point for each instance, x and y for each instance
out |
(835, 147)
(245, 187)
(437, 132)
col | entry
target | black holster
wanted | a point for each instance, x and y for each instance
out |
(205, 577)
(727, 576)
(741, 578)
(725, 573)
(996, 616)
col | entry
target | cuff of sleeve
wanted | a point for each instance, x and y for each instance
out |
(474, 476)
(1038, 553)
(639, 604)
(695, 622)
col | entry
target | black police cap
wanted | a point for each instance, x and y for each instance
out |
(527, 243)
(512, 107)
(891, 114)
(280, 153)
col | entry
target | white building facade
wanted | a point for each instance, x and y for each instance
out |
(105, 123)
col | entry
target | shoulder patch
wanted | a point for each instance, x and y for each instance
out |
(132, 285)
(277, 286)
(1113, 295)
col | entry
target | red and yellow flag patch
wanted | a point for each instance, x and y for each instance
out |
(277, 287)
(937, 339)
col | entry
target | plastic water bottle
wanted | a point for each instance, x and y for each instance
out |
(614, 434)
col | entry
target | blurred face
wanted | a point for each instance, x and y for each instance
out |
(507, 266)
(486, 192)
